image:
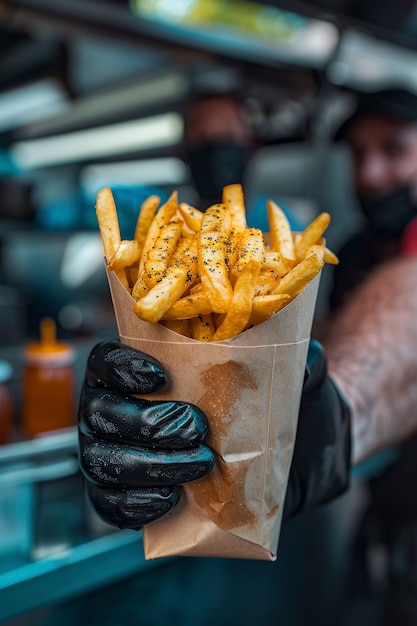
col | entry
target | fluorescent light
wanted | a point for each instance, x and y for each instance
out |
(165, 171)
(94, 109)
(366, 63)
(245, 27)
(122, 138)
(31, 102)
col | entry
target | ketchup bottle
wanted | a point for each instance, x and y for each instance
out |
(48, 383)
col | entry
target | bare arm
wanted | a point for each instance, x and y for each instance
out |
(372, 355)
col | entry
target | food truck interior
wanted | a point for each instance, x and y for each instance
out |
(92, 94)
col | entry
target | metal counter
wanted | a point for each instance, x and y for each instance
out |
(53, 547)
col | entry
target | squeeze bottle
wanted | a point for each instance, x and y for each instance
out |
(48, 383)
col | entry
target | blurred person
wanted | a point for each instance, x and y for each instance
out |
(218, 143)
(372, 330)
(382, 138)
(218, 146)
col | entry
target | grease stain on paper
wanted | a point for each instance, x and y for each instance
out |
(222, 492)
(224, 384)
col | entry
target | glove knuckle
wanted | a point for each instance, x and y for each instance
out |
(131, 508)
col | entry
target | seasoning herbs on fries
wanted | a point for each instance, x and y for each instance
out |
(207, 275)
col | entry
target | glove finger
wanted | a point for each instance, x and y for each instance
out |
(131, 508)
(113, 416)
(111, 364)
(316, 367)
(320, 468)
(127, 466)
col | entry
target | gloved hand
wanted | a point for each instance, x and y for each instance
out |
(321, 461)
(135, 453)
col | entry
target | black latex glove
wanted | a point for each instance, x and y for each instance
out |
(135, 453)
(321, 462)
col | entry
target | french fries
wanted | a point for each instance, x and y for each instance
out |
(282, 239)
(109, 229)
(207, 275)
(212, 241)
(179, 275)
(247, 268)
(145, 218)
(108, 222)
(311, 235)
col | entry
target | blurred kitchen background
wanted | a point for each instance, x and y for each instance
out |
(92, 94)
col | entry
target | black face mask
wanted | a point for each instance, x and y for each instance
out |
(216, 164)
(389, 214)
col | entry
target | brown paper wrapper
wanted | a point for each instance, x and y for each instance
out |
(249, 388)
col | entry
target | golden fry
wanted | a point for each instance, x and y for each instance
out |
(180, 274)
(182, 327)
(311, 235)
(248, 267)
(145, 217)
(186, 231)
(330, 257)
(272, 261)
(267, 282)
(162, 217)
(202, 328)
(232, 250)
(191, 216)
(316, 249)
(233, 199)
(296, 238)
(189, 306)
(159, 256)
(263, 307)
(108, 221)
(281, 235)
(131, 274)
(127, 253)
(218, 319)
(212, 238)
(139, 289)
(250, 247)
(196, 288)
(240, 308)
(299, 277)
(109, 229)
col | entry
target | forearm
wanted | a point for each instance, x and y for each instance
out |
(371, 349)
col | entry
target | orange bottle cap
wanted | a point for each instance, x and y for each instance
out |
(48, 350)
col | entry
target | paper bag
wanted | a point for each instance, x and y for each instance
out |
(249, 388)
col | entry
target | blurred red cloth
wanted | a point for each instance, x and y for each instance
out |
(409, 239)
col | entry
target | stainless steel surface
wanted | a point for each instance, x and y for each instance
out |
(73, 572)
(55, 443)
(53, 546)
